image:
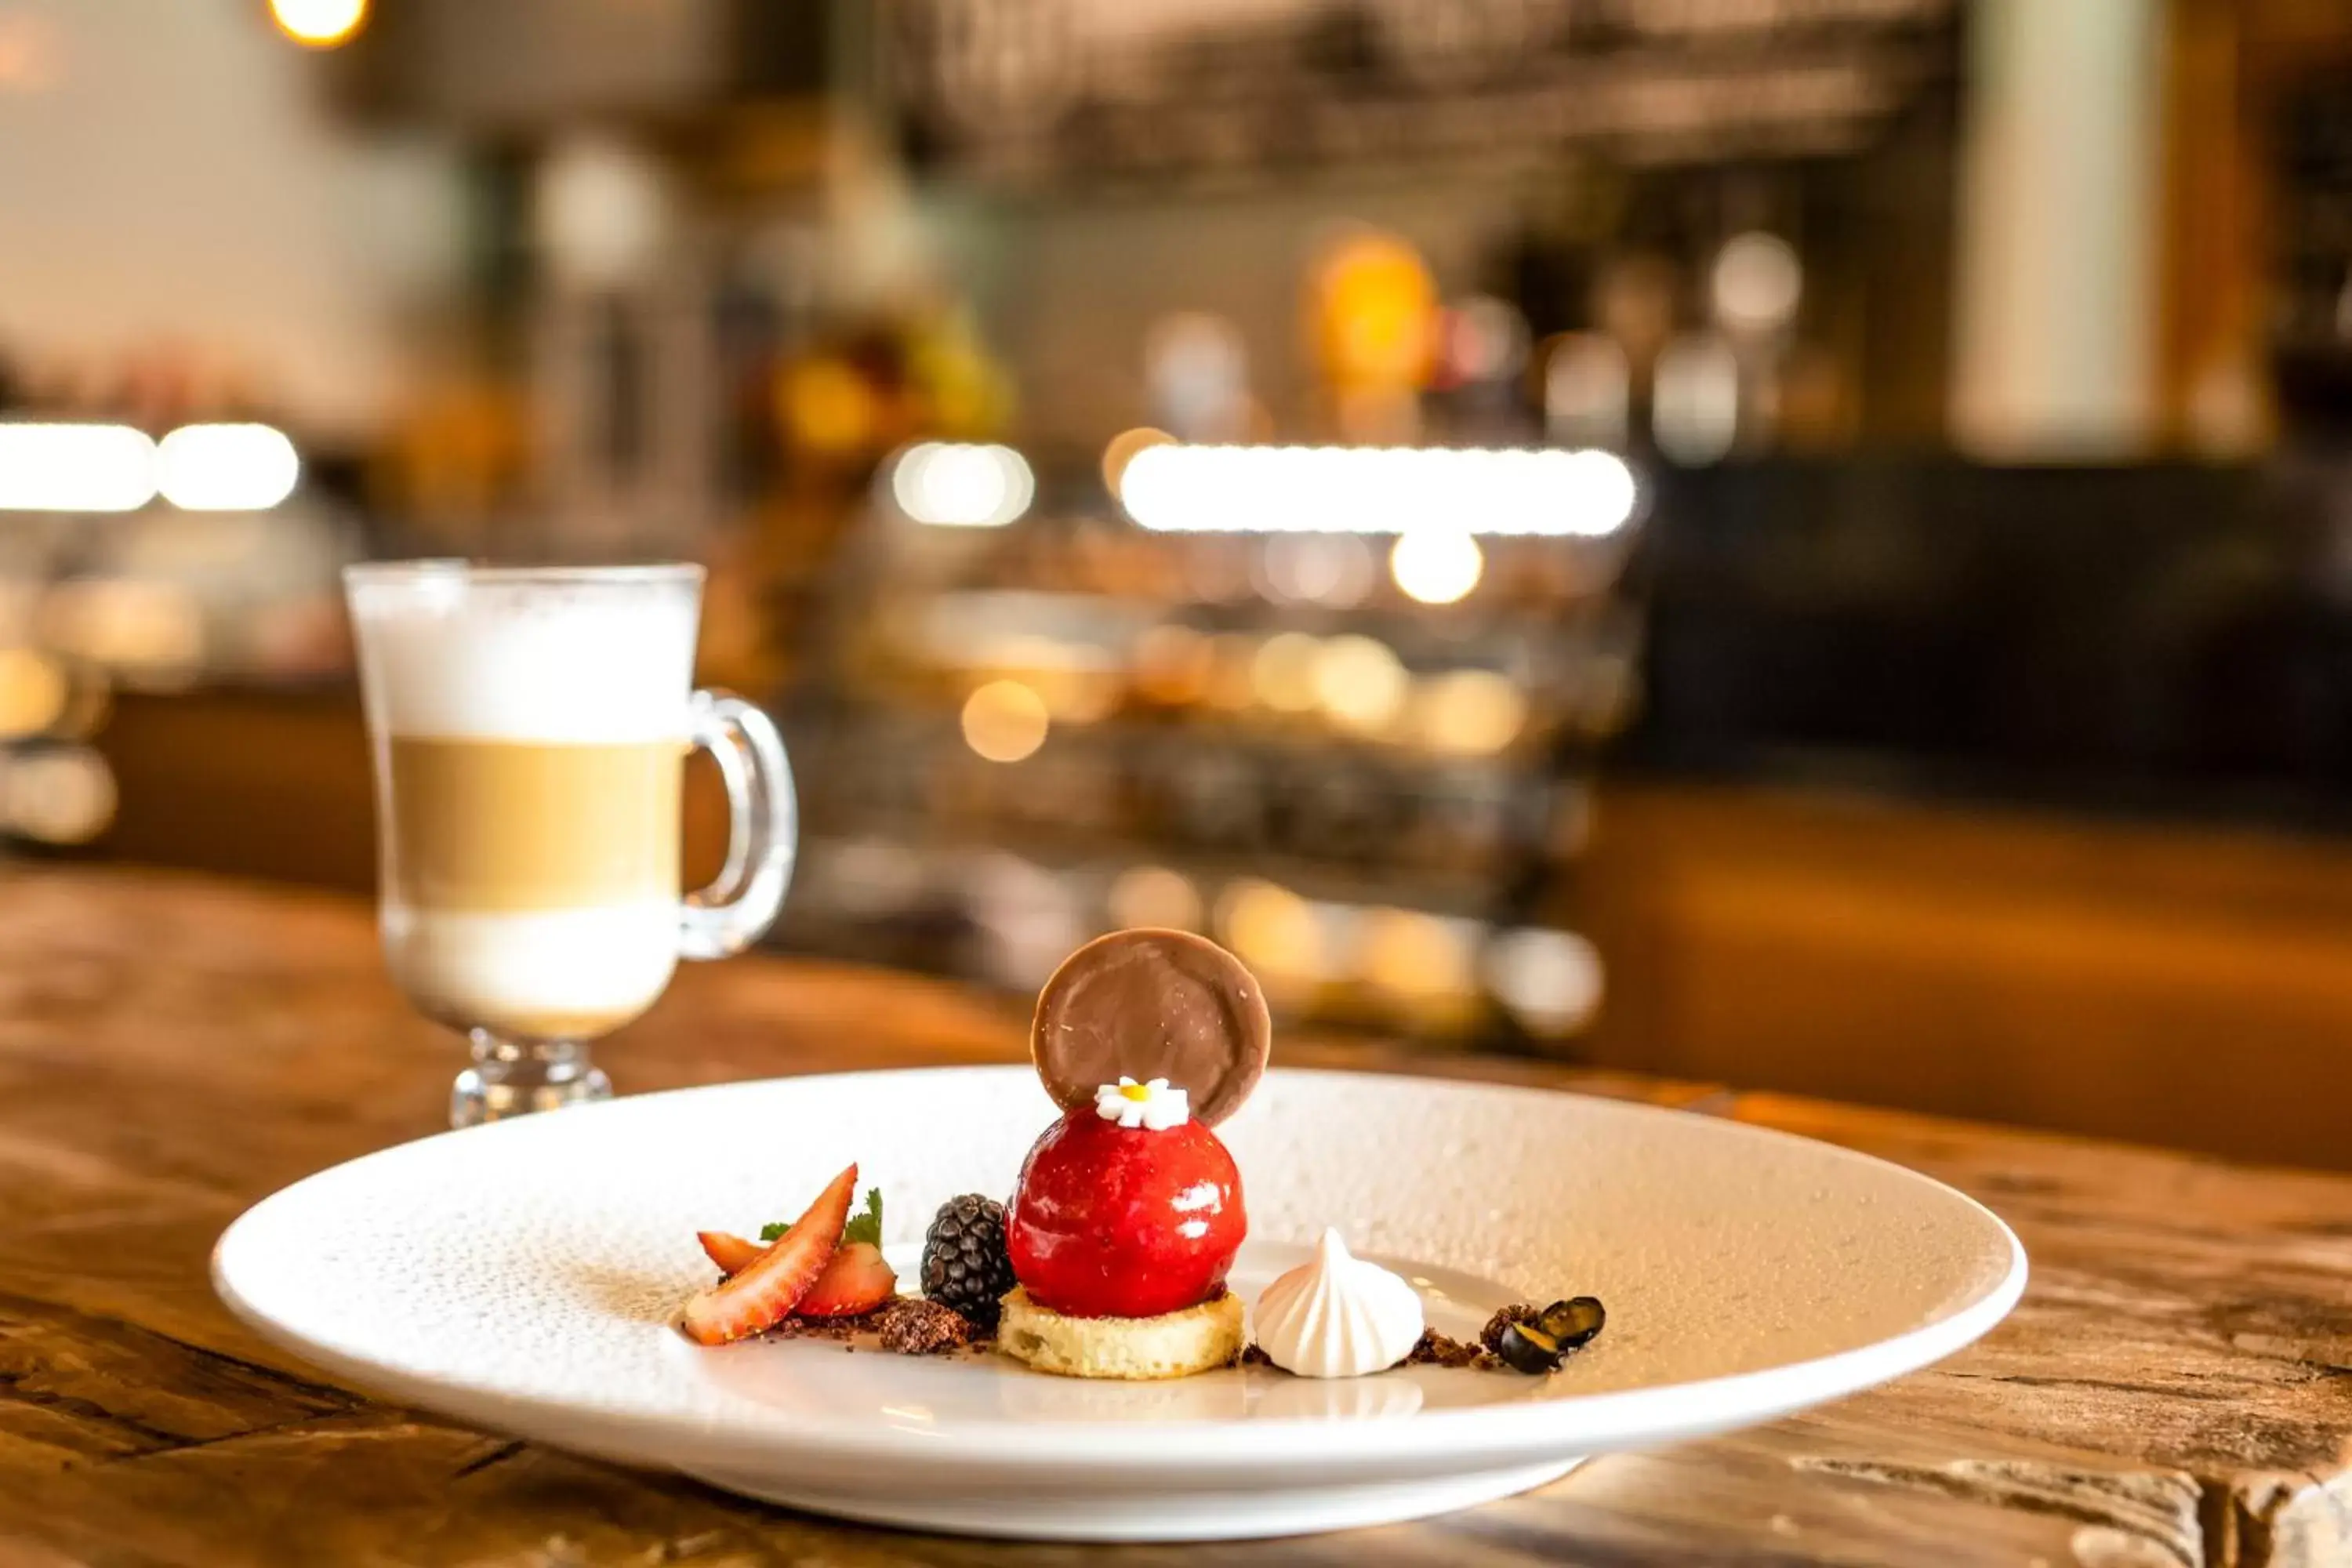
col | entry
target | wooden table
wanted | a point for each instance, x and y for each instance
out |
(2175, 1389)
(2159, 982)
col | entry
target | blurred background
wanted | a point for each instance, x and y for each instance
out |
(1805, 543)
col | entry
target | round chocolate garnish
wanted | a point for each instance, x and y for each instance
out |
(1150, 1004)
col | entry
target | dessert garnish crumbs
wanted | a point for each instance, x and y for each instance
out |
(907, 1325)
(911, 1326)
(1434, 1349)
(797, 1328)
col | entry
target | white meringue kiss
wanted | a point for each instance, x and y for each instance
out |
(1337, 1316)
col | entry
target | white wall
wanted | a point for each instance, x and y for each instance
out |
(165, 174)
(2055, 335)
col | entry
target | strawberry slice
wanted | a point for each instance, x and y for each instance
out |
(855, 1283)
(772, 1284)
(732, 1253)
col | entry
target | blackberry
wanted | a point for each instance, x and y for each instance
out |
(964, 1263)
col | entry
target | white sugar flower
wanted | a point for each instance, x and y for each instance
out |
(1152, 1105)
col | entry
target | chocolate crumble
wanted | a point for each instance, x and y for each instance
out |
(911, 1326)
(841, 1328)
(1434, 1349)
(906, 1325)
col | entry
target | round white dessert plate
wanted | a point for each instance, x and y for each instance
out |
(527, 1276)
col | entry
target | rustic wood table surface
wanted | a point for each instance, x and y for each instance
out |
(2176, 1388)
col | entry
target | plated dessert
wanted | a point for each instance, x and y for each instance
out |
(528, 1277)
(1110, 1258)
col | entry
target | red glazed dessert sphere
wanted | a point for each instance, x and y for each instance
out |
(1122, 1222)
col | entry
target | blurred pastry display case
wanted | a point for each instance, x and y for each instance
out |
(1342, 730)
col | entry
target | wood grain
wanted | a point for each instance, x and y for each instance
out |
(2175, 1389)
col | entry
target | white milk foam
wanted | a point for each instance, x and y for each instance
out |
(614, 958)
(454, 657)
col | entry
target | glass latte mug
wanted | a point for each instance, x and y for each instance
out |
(531, 730)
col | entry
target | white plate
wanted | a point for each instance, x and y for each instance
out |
(525, 1277)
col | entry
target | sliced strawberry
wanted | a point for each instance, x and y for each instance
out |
(732, 1253)
(772, 1284)
(856, 1282)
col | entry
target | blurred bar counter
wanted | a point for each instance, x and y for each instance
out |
(2178, 983)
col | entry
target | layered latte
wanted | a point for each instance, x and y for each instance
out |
(531, 757)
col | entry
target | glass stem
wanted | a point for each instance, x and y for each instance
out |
(510, 1077)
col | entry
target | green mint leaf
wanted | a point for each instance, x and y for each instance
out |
(866, 1226)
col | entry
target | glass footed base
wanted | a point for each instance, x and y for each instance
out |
(510, 1079)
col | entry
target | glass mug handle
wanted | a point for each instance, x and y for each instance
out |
(763, 829)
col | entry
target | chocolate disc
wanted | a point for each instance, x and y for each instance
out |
(1150, 1004)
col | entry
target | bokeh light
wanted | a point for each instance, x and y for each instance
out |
(1487, 340)
(227, 468)
(1550, 493)
(74, 468)
(1374, 310)
(826, 408)
(1469, 713)
(1360, 683)
(1412, 954)
(62, 795)
(952, 485)
(1273, 930)
(1588, 390)
(319, 23)
(1694, 400)
(1154, 896)
(1758, 282)
(1551, 981)
(1123, 448)
(1436, 565)
(601, 212)
(1005, 720)
(34, 691)
(1282, 673)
